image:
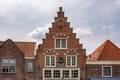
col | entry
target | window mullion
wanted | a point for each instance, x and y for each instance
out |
(61, 73)
(50, 60)
(70, 74)
(8, 65)
(60, 43)
(52, 73)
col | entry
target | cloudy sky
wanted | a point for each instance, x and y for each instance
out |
(94, 21)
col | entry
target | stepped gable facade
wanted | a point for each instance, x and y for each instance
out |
(61, 56)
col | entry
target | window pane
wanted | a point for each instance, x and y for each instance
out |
(74, 73)
(5, 68)
(47, 61)
(52, 60)
(11, 69)
(30, 66)
(63, 43)
(56, 74)
(47, 74)
(57, 43)
(12, 62)
(107, 71)
(65, 73)
(5, 61)
(68, 61)
(73, 61)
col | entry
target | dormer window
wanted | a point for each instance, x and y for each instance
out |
(60, 43)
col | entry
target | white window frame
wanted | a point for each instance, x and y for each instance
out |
(44, 73)
(60, 43)
(103, 71)
(61, 73)
(50, 60)
(9, 65)
(71, 61)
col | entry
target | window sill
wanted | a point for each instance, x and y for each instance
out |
(8, 72)
(60, 48)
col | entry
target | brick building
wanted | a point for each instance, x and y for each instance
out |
(59, 57)
(61, 54)
(104, 63)
(17, 60)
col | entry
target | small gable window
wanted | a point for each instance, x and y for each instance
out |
(60, 43)
(60, 27)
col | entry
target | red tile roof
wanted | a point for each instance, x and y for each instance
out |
(28, 48)
(107, 51)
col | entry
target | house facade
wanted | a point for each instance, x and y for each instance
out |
(61, 54)
(17, 60)
(104, 63)
(60, 57)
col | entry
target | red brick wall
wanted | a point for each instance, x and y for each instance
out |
(73, 46)
(9, 51)
(95, 70)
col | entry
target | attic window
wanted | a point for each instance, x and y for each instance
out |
(60, 27)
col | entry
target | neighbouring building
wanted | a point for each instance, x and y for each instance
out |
(60, 57)
(17, 60)
(104, 63)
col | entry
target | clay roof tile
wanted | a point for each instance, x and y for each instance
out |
(107, 51)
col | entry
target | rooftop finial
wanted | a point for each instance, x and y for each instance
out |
(60, 9)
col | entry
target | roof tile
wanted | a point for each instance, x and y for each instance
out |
(107, 51)
(28, 48)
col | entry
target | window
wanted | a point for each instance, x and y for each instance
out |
(65, 73)
(47, 74)
(71, 61)
(60, 44)
(74, 73)
(50, 61)
(56, 74)
(30, 66)
(8, 65)
(107, 71)
(61, 73)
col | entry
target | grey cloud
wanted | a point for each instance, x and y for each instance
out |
(39, 32)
